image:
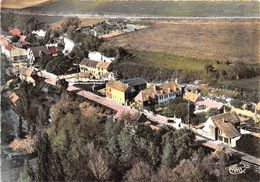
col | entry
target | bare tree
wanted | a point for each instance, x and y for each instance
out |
(97, 164)
(140, 172)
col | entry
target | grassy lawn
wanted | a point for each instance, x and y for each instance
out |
(171, 61)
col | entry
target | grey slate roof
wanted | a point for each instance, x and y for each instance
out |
(135, 81)
(88, 63)
(36, 51)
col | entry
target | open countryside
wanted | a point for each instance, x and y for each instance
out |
(162, 8)
(130, 91)
(233, 40)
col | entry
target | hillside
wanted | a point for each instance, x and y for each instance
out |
(207, 39)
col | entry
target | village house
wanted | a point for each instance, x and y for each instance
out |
(137, 85)
(6, 45)
(29, 75)
(18, 54)
(207, 104)
(99, 69)
(158, 94)
(117, 91)
(34, 53)
(124, 92)
(224, 128)
(190, 96)
(97, 56)
(15, 54)
(15, 32)
(14, 98)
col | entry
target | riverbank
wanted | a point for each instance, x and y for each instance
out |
(21, 4)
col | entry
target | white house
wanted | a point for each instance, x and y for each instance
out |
(97, 56)
(40, 33)
(223, 127)
(69, 45)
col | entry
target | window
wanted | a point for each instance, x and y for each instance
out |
(220, 138)
(225, 140)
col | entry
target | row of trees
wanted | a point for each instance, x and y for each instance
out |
(236, 70)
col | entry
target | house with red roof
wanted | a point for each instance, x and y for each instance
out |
(6, 45)
(53, 50)
(15, 32)
(207, 104)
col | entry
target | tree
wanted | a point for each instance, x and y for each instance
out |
(49, 163)
(139, 172)
(208, 68)
(164, 173)
(70, 24)
(97, 164)
(249, 144)
(177, 145)
(191, 171)
(236, 103)
(27, 175)
(212, 112)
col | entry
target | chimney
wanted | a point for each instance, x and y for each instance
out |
(225, 121)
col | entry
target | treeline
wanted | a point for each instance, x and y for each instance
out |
(232, 71)
(129, 69)
(80, 146)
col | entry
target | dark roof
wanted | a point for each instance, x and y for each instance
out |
(36, 50)
(88, 62)
(227, 128)
(228, 116)
(135, 81)
(225, 122)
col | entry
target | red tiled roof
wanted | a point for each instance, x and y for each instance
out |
(15, 32)
(4, 40)
(13, 98)
(8, 46)
(210, 104)
(52, 49)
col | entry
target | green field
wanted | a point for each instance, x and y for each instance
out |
(170, 61)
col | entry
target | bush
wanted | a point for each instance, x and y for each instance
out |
(249, 144)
